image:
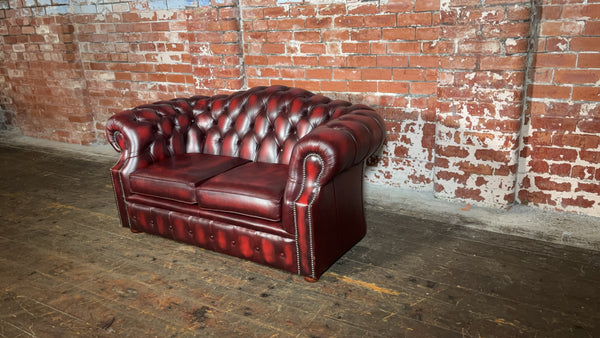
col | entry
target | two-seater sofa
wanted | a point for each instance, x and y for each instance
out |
(272, 174)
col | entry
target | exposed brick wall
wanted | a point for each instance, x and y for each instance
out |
(560, 154)
(483, 51)
(485, 101)
(382, 54)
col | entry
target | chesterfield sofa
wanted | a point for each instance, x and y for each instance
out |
(271, 175)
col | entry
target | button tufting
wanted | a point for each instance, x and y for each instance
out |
(257, 249)
(212, 236)
(232, 242)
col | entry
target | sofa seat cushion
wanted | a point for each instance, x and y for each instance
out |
(176, 178)
(254, 189)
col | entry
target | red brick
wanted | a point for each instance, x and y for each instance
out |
(365, 34)
(398, 6)
(332, 9)
(585, 44)
(317, 73)
(334, 86)
(492, 155)
(308, 84)
(332, 61)
(551, 12)
(560, 169)
(502, 63)
(460, 32)
(458, 62)
(427, 33)
(335, 35)
(578, 76)
(561, 28)
(392, 61)
(404, 47)
(398, 34)
(273, 48)
(362, 86)
(427, 5)
(409, 74)
(381, 20)
(590, 156)
(580, 201)
(312, 48)
(279, 60)
(590, 126)
(302, 10)
(293, 73)
(290, 24)
(423, 88)
(586, 93)
(278, 36)
(553, 123)
(479, 47)
(592, 28)
(311, 61)
(356, 48)
(537, 197)
(505, 30)
(348, 21)
(307, 36)
(593, 188)
(452, 151)
(362, 61)
(313, 22)
(424, 61)
(364, 9)
(547, 184)
(413, 19)
(275, 12)
(583, 173)
(393, 87)
(550, 91)
(452, 176)
(377, 74)
(581, 12)
(554, 154)
(519, 13)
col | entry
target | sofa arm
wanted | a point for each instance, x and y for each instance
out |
(152, 132)
(339, 144)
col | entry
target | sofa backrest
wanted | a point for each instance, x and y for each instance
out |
(262, 124)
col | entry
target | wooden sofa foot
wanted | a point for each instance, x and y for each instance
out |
(134, 231)
(310, 280)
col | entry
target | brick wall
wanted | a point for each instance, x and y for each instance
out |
(560, 155)
(485, 101)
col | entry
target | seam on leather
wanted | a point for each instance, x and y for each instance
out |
(122, 195)
(309, 208)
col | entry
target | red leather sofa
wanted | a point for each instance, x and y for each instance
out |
(271, 174)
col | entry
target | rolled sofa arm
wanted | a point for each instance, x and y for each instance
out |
(152, 131)
(339, 144)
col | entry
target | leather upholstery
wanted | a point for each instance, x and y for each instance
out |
(254, 189)
(318, 144)
(176, 178)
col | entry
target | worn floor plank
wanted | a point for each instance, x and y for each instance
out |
(68, 269)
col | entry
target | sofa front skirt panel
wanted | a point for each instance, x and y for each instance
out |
(233, 240)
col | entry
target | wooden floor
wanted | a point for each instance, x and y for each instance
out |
(68, 269)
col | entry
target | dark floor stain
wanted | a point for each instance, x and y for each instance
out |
(199, 315)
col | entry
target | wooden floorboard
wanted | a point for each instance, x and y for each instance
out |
(68, 269)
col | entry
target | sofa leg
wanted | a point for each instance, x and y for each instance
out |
(135, 231)
(310, 280)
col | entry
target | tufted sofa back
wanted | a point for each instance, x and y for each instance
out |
(262, 124)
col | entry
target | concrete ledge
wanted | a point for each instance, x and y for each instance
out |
(551, 226)
(520, 220)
